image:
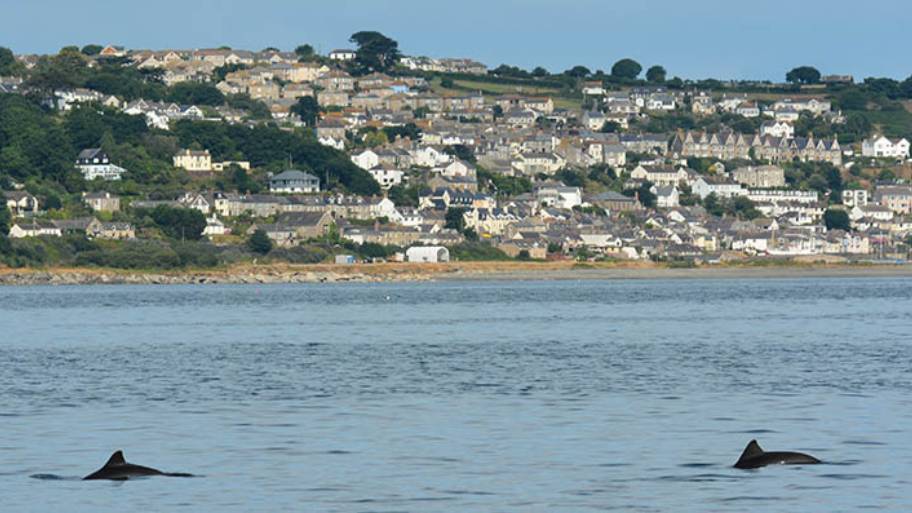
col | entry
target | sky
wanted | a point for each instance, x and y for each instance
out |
(737, 39)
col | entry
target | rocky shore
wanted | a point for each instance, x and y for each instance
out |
(127, 278)
(374, 273)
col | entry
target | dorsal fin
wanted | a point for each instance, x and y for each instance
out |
(752, 449)
(116, 459)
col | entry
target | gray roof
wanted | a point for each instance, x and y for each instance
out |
(294, 174)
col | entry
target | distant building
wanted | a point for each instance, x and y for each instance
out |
(193, 160)
(762, 177)
(883, 147)
(342, 55)
(20, 203)
(95, 163)
(101, 201)
(294, 181)
(427, 254)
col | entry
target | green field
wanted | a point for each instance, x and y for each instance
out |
(498, 89)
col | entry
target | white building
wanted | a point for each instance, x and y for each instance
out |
(705, 185)
(294, 181)
(94, 163)
(881, 146)
(779, 129)
(366, 160)
(427, 254)
(386, 177)
(560, 196)
(854, 197)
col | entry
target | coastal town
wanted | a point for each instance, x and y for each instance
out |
(391, 157)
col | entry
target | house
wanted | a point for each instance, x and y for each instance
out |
(559, 196)
(193, 160)
(427, 254)
(101, 201)
(294, 181)
(779, 129)
(667, 196)
(815, 106)
(659, 175)
(897, 198)
(706, 185)
(342, 55)
(111, 231)
(748, 110)
(387, 178)
(593, 119)
(875, 212)
(614, 202)
(532, 163)
(760, 176)
(854, 197)
(94, 163)
(20, 203)
(34, 228)
(882, 147)
(367, 159)
(593, 88)
(214, 226)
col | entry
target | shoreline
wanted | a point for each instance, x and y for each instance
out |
(453, 271)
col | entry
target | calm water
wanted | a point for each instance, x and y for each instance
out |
(459, 397)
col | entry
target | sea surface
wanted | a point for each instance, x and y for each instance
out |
(560, 396)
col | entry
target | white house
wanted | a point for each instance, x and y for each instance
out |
(855, 197)
(659, 175)
(342, 55)
(94, 163)
(667, 196)
(560, 196)
(779, 129)
(881, 146)
(294, 181)
(386, 177)
(705, 185)
(366, 160)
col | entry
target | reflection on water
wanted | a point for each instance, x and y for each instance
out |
(455, 397)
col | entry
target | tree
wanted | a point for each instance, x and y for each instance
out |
(179, 223)
(656, 74)
(540, 72)
(837, 219)
(461, 152)
(610, 127)
(195, 93)
(5, 220)
(852, 99)
(259, 242)
(803, 75)
(712, 205)
(305, 53)
(308, 108)
(8, 64)
(626, 69)
(65, 70)
(454, 219)
(376, 52)
(576, 72)
(91, 50)
(644, 194)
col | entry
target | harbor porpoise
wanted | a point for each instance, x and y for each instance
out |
(755, 457)
(118, 469)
